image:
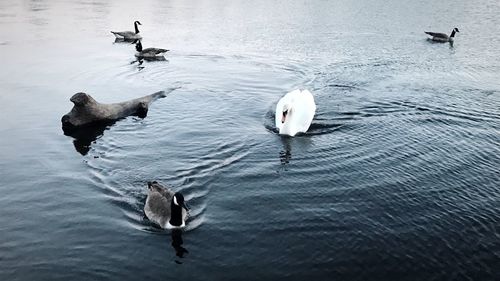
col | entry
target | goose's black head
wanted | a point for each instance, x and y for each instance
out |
(452, 35)
(176, 207)
(178, 200)
(138, 46)
(136, 27)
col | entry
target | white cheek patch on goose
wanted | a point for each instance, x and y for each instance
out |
(175, 201)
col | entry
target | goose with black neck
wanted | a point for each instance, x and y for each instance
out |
(129, 35)
(164, 207)
(442, 37)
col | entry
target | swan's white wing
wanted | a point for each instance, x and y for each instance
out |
(304, 109)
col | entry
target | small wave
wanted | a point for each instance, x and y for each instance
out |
(324, 122)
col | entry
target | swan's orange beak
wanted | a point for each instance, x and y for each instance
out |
(283, 117)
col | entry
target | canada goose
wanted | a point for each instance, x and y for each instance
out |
(441, 37)
(164, 207)
(295, 112)
(148, 52)
(129, 35)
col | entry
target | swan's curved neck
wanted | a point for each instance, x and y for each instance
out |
(136, 28)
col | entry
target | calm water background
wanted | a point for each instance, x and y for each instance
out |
(398, 178)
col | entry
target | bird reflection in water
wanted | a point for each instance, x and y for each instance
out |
(123, 40)
(177, 244)
(85, 136)
(286, 153)
(140, 61)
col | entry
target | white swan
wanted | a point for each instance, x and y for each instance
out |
(295, 112)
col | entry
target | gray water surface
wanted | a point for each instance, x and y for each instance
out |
(397, 179)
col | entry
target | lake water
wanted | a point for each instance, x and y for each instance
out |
(397, 179)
